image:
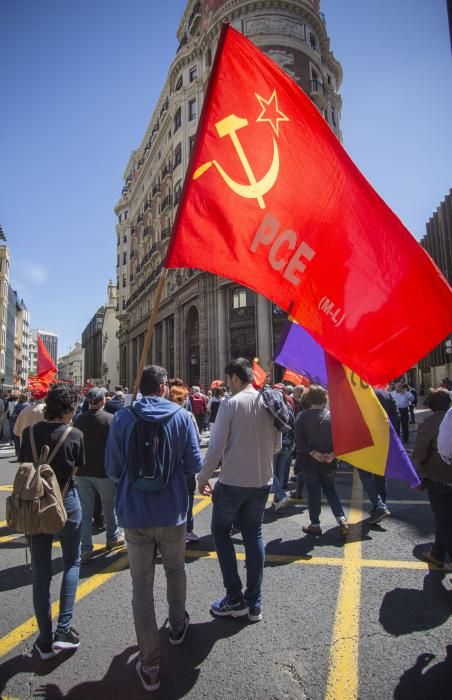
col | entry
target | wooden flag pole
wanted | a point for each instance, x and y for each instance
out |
(149, 332)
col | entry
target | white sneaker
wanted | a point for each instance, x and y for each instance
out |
(192, 537)
(282, 503)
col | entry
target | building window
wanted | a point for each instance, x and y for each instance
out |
(178, 154)
(191, 110)
(125, 215)
(120, 218)
(191, 143)
(193, 73)
(313, 41)
(208, 57)
(178, 119)
(117, 261)
(242, 297)
(179, 83)
(328, 78)
(333, 116)
(124, 280)
(124, 238)
(124, 258)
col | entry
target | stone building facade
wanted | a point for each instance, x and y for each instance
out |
(438, 244)
(100, 344)
(203, 319)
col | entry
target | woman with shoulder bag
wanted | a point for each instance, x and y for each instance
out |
(60, 407)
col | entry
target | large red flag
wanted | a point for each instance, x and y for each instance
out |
(45, 362)
(272, 200)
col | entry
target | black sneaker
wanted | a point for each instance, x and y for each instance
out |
(150, 679)
(66, 640)
(227, 608)
(178, 636)
(378, 514)
(44, 649)
(255, 613)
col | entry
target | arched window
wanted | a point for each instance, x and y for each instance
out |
(178, 119)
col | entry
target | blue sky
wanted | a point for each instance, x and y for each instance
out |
(79, 82)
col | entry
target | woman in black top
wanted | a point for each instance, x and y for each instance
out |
(316, 459)
(60, 407)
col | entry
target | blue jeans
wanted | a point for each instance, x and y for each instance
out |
(41, 564)
(375, 487)
(233, 503)
(314, 486)
(87, 487)
(281, 468)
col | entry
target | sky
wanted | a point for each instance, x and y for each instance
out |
(79, 82)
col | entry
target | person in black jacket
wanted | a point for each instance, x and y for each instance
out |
(92, 479)
(60, 407)
(116, 402)
(316, 459)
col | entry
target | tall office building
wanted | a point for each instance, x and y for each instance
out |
(204, 319)
(50, 340)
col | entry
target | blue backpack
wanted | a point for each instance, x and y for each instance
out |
(149, 453)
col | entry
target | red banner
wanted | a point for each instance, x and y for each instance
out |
(272, 200)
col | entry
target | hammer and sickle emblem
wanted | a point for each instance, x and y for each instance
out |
(257, 188)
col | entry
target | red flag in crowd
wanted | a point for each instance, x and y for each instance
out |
(272, 199)
(295, 378)
(259, 375)
(45, 361)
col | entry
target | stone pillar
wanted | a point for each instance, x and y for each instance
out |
(223, 332)
(264, 332)
(164, 323)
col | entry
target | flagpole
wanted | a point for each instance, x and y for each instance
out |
(150, 331)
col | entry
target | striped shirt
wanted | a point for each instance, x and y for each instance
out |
(445, 438)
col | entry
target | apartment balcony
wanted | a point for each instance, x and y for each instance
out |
(165, 233)
(166, 202)
(167, 170)
(156, 189)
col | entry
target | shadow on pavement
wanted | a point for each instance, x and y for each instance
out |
(407, 610)
(436, 682)
(30, 663)
(180, 667)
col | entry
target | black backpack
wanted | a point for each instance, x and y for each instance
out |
(274, 403)
(149, 453)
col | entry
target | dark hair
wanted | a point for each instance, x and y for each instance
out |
(175, 381)
(219, 391)
(152, 377)
(316, 394)
(118, 387)
(438, 399)
(60, 399)
(241, 367)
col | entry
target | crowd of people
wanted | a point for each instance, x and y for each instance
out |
(142, 460)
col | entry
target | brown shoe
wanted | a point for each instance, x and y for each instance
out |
(312, 529)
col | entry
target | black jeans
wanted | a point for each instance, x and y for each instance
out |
(404, 422)
(441, 501)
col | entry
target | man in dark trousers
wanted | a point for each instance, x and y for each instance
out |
(92, 479)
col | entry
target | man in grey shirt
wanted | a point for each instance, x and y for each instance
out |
(244, 440)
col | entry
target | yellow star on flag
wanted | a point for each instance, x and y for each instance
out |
(270, 108)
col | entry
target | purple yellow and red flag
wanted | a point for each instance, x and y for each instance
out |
(272, 200)
(363, 435)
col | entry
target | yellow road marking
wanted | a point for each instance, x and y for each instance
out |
(206, 501)
(29, 627)
(3, 523)
(343, 671)
(6, 488)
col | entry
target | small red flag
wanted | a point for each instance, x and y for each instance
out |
(295, 378)
(45, 361)
(259, 375)
(272, 199)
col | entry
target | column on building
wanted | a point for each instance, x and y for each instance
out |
(264, 332)
(223, 331)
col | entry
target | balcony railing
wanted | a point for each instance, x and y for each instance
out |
(167, 170)
(165, 232)
(156, 189)
(166, 202)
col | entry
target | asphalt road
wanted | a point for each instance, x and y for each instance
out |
(361, 620)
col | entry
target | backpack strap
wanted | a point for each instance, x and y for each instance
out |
(33, 447)
(59, 444)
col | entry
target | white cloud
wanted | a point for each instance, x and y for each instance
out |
(35, 273)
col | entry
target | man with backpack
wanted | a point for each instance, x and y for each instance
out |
(245, 439)
(198, 404)
(151, 447)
